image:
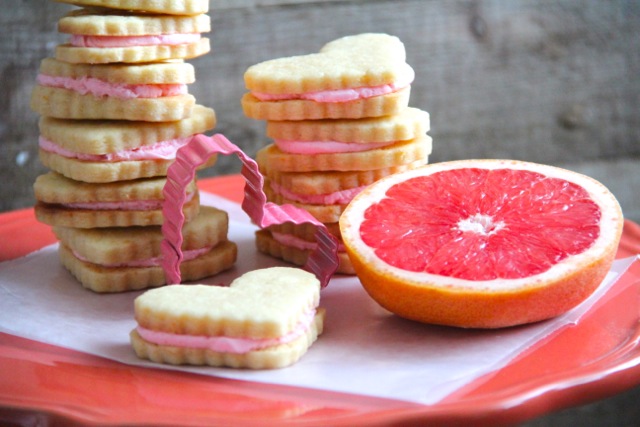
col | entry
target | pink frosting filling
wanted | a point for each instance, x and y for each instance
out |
(322, 147)
(151, 262)
(100, 88)
(124, 205)
(163, 150)
(339, 95)
(341, 197)
(224, 344)
(295, 242)
(132, 41)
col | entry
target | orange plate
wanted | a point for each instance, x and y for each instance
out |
(39, 382)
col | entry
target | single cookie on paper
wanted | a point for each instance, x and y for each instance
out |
(170, 7)
(150, 92)
(64, 202)
(290, 247)
(357, 76)
(107, 151)
(100, 36)
(265, 319)
(129, 258)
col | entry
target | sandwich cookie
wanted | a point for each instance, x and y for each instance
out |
(169, 7)
(333, 192)
(399, 153)
(320, 165)
(129, 258)
(353, 77)
(345, 135)
(325, 195)
(106, 151)
(151, 92)
(265, 319)
(100, 36)
(64, 202)
(293, 243)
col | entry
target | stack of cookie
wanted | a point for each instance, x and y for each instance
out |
(340, 120)
(115, 108)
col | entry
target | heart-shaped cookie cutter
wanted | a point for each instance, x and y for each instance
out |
(323, 261)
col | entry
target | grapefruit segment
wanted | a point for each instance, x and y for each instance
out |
(482, 243)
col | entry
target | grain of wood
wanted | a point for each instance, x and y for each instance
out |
(546, 81)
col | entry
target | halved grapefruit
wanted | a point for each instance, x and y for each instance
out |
(482, 243)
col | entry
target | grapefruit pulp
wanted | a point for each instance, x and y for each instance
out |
(482, 243)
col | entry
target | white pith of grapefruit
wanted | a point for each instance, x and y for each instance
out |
(482, 243)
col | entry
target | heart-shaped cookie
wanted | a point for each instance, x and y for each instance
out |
(356, 76)
(370, 59)
(265, 319)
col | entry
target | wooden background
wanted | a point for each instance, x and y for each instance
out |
(539, 80)
(545, 81)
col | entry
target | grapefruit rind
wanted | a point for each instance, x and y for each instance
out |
(443, 300)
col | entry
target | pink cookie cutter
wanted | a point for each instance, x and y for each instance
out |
(323, 261)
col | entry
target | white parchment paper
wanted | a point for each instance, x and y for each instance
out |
(364, 349)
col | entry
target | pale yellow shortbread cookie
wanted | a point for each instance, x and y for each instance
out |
(272, 312)
(407, 124)
(55, 188)
(301, 109)
(133, 54)
(68, 104)
(326, 182)
(113, 279)
(352, 77)
(171, 7)
(105, 136)
(306, 234)
(87, 147)
(401, 153)
(128, 258)
(104, 22)
(324, 194)
(329, 199)
(91, 218)
(122, 245)
(363, 60)
(110, 23)
(323, 213)
(96, 172)
(305, 230)
(266, 244)
(275, 357)
(170, 72)
(68, 203)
